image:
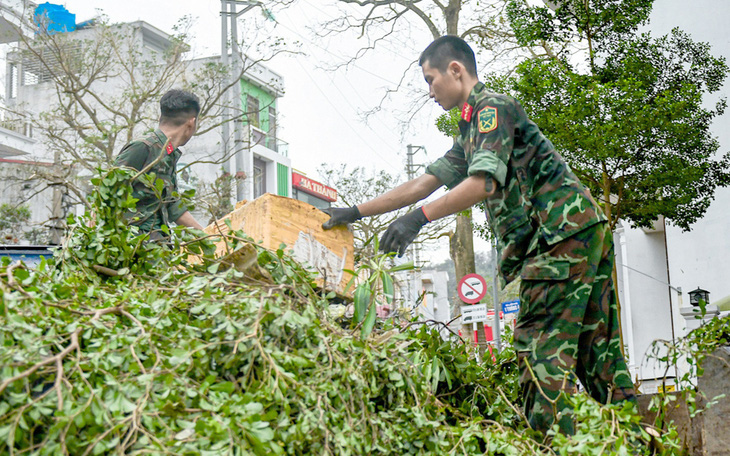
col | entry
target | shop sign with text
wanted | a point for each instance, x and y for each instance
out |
(313, 187)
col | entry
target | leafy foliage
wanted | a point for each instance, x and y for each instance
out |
(448, 123)
(124, 345)
(691, 351)
(628, 117)
(217, 197)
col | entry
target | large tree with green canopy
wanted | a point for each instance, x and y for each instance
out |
(627, 110)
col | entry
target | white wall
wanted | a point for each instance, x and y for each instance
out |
(648, 273)
(647, 301)
(700, 257)
(435, 304)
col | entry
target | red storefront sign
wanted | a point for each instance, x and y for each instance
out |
(313, 187)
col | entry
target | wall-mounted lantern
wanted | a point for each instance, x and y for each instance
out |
(695, 296)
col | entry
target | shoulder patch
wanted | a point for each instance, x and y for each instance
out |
(487, 119)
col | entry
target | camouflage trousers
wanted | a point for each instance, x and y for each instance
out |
(568, 328)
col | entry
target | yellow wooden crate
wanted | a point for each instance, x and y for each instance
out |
(274, 220)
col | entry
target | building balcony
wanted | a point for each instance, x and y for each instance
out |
(271, 142)
(16, 134)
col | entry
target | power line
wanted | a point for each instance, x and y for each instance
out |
(334, 106)
(355, 90)
(651, 277)
(398, 53)
(339, 57)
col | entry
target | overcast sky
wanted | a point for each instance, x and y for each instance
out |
(322, 111)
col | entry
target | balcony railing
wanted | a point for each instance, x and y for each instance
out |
(15, 122)
(258, 136)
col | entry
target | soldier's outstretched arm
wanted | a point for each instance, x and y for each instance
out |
(402, 232)
(469, 192)
(405, 194)
(188, 220)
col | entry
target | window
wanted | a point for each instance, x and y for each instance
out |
(310, 199)
(13, 81)
(30, 78)
(252, 110)
(259, 177)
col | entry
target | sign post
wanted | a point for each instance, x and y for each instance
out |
(495, 300)
(472, 288)
(511, 306)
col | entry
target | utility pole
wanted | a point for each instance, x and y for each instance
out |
(495, 299)
(415, 248)
(411, 170)
(244, 161)
(226, 113)
(410, 167)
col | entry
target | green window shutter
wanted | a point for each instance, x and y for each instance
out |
(282, 180)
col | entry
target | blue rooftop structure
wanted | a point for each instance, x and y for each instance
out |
(53, 19)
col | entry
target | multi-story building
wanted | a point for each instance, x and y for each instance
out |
(249, 148)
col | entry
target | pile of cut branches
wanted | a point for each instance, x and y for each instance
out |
(119, 345)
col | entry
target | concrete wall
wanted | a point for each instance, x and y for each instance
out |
(20, 185)
(431, 286)
(435, 305)
(645, 298)
(699, 258)
(650, 274)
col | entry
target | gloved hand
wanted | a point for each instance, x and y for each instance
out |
(340, 216)
(403, 231)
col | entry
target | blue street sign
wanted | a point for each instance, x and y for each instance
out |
(511, 306)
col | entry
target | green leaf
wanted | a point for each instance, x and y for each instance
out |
(388, 288)
(362, 301)
(369, 322)
(402, 267)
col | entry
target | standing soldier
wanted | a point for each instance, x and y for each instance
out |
(550, 233)
(159, 151)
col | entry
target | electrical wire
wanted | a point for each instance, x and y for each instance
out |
(334, 105)
(344, 119)
(354, 90)
(647, 275)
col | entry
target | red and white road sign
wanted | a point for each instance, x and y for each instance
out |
(472, 288)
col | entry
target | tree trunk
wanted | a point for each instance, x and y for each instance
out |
(461, 249)
(451, 14)
(607, 209)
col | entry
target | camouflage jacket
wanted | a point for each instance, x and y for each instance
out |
(153, 210)
(538, 197)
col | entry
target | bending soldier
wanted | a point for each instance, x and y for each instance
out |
(550, 233)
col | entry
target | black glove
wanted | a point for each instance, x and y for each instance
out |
(340, 216)
(403, 231)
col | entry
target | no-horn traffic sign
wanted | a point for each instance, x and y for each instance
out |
(472, 288)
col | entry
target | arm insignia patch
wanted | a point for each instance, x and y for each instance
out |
(487, 119)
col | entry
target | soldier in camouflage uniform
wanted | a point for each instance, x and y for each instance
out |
(159, 151)
(549, 230)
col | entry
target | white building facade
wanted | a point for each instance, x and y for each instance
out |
(256, 156)
(658, 267)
